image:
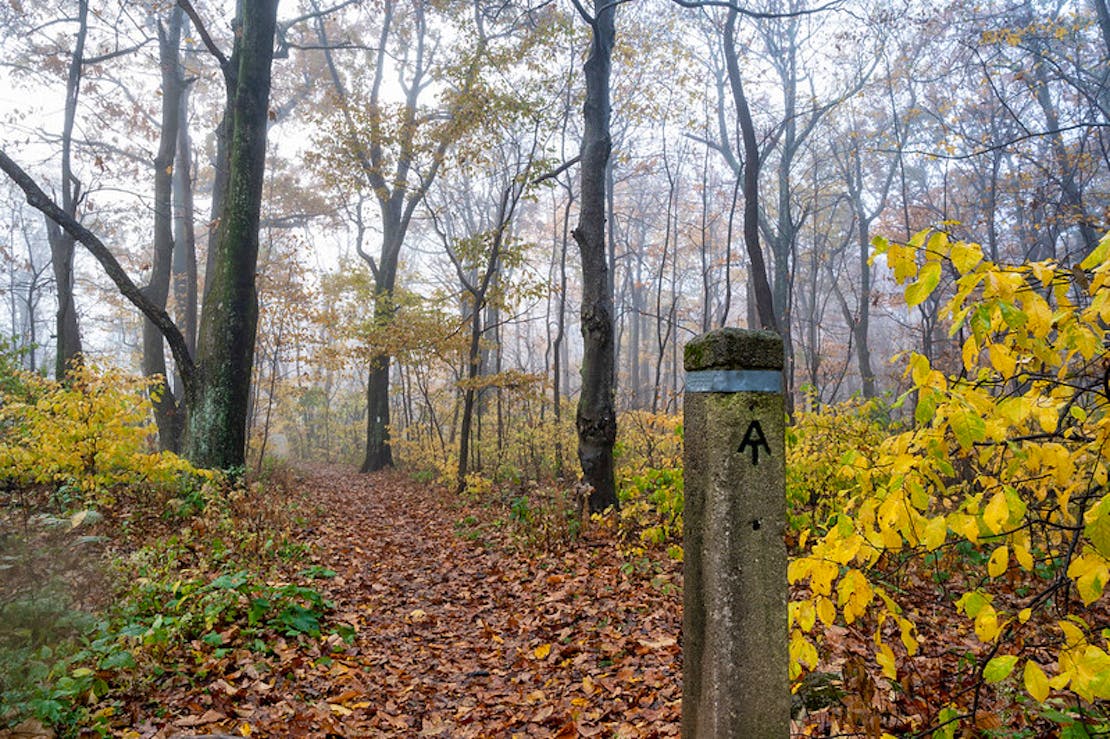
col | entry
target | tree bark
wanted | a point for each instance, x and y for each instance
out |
(596, 417)
(166, 412)
(761, 285)
(560, 345)
(217, 420)
(185, 240)
(68, 334)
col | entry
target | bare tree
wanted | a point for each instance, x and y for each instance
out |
(596, 418)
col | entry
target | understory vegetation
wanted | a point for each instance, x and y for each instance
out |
(950, 547)
(120, 567)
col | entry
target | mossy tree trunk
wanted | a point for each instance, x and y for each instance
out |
(215, 434)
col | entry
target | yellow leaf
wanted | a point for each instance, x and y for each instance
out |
(1036, 682)
(805, 615)
(909, 641)
(966, 256)
(1039, 313)
(999, 561)
(1097, 526)
(1047, 416)
(997, 513)
(999, 668)
(927, 280)
(822, 575)
(1099, 255)
(1059, 682)
(967, 426)
(798, 569)
(1003, 285)
(542, 651)
(965, 525)
(970, 352)
(1023, 557)
(855, 594)
(1044, 271)
(900, 259)
(986, 624)
(885, 658)
(919, 369)
(802, 651)
(1025, 614)
(935, 533)
(1094, 670)
(1090, 572)
(937, 246)
(1073, 635)
(1002, 359)
(826, 611)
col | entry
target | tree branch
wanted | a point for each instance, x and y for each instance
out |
(88, 61)
(283, 46)
(996, 147)
(42, 202)
(756, 13)
(208, 42)
(582, 12)
(557, 171)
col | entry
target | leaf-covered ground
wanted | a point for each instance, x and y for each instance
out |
(459, 624)
(458, 633)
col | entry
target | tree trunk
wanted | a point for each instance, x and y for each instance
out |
(472, 370)
(217, 420)
(862, 326)
(379, 454)
(185, 240)
(68, 341)
(596, 417)
(560, 347)
(166, 412)
(761, 286)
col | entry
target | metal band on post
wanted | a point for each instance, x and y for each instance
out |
(734, 381)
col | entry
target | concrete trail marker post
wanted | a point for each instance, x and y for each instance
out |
(735, 642)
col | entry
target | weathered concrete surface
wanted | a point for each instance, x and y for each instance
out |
(735, 641)
(734, 348)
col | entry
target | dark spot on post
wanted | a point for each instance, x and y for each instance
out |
(756, 523)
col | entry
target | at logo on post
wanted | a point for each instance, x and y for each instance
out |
(754, 439)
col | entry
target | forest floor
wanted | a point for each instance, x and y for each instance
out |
(457, 617)
(458, 632)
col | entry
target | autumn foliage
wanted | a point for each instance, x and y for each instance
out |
(91, 434)
(992, 504)
(950, 547)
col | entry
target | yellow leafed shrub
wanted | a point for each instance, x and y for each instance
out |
(1004, 468)
(93, 433)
